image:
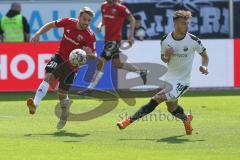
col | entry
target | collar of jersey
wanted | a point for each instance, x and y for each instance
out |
(177, 39)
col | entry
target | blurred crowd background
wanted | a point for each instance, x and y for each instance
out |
(212, 19)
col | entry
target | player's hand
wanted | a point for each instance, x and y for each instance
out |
(203, 70)
(131, 40)
(168, 52)
(36, 38)
(87, 50)
(99, 28)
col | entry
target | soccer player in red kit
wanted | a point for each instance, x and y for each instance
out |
(77, 34)
(113, 16)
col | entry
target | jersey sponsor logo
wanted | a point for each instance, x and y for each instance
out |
(108, 16)
(180, 55)
(70, 40)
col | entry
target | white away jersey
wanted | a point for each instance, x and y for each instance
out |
(180, 64)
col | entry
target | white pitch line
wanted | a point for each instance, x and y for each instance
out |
(2, 116)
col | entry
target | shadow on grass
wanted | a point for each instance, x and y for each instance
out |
(177, 139)
(58, 134)
(172, 139)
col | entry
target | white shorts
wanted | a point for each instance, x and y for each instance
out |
(178, 89)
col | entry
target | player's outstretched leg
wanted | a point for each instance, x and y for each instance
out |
(65, 106)
(41, 92)
(144, 110)
(179, 113)
(131, 68)
(187, 124)
(31, 106)
(97, 75)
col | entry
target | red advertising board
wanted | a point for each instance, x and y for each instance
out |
(237, 63)
(22, 64)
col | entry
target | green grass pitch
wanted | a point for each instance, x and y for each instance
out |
(216, 134)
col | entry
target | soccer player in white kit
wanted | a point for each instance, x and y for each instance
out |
(177, 50)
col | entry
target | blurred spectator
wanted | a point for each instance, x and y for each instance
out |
(14, 27)
(140, 31)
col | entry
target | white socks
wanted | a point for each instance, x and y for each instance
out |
(97, 76)
(41, 92)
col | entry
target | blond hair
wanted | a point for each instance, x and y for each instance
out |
(182, 14)
(87, 10)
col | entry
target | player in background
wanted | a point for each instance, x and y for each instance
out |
(77, 34)
(177, 50)
(113, 15)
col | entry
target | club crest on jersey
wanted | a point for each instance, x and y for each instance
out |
(79, 37)
(185, 48)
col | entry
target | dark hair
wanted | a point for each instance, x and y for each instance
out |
(137, 17)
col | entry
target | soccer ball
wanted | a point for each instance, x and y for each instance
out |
(78, 57)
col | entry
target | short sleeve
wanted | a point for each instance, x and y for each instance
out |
(199, 46)
(125, 12)
(61, 22)
(163, 44)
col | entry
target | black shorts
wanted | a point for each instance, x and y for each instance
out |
(62, 72)
(111, 50)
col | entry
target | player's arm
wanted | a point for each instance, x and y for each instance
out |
(90, 49)
(90, 54)
(202, 51)
(101, 23)
(42, 30)
(166, 56)
(132, 28)
(166, 50)
(99, 26)
(205, 60)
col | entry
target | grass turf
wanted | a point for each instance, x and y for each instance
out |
(158, 136)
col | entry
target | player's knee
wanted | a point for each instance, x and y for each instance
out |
(100, 64)
(49, 78)
(159, 98)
